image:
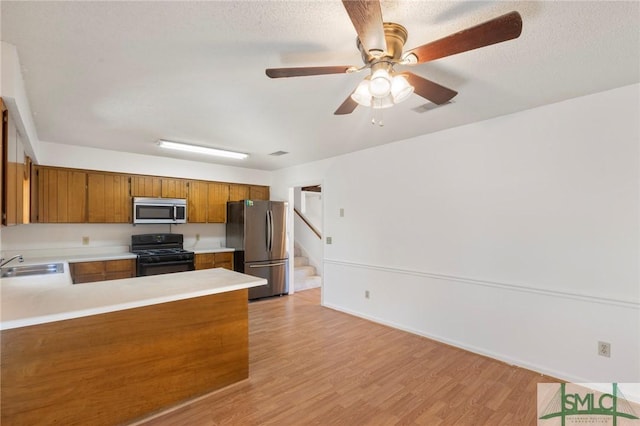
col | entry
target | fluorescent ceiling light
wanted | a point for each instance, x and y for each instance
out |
(201, 149)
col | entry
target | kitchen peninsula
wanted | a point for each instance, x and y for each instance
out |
(116, 351)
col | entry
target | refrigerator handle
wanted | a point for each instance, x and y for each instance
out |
(267, 265)
(268, 233)
(270, 230)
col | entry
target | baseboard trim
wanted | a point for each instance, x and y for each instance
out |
(470, 348)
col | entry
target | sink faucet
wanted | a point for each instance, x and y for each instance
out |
(17, 256)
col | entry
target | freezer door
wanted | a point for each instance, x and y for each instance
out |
(274, 272)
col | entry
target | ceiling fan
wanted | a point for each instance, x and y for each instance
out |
(381, 46)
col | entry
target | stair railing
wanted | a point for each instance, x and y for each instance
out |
(304, 219)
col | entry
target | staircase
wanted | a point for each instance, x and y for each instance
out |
(305, 276)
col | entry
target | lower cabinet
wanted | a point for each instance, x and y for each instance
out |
(103, 270)
(214, 260)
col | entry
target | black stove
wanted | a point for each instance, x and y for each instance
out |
(161, 254)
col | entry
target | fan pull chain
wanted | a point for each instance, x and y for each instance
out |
(376, 115)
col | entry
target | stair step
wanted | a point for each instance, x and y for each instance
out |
(312, 281)
(302, 272)
(300, 261)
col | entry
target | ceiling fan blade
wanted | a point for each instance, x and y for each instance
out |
(502, 28)
(366, 16)
(429, 90)
(347, 106)
(306, 71)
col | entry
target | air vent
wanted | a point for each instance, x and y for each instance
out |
(278, 153)
(429, 106)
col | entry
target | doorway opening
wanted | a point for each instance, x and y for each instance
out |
(307, 231)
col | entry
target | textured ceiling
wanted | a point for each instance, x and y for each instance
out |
(121, 75)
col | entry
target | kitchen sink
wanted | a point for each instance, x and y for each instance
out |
(21, 271)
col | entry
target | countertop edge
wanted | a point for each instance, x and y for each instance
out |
(7, 325)
(69, 292)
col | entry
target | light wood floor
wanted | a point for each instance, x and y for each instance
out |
(311, 365)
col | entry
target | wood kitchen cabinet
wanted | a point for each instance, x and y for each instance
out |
(61, 195)
(174, 188)
(197, 203)
(214, 260)
(217, 197)
(108, 198)
(210, 205)
(15, 169)
(146, 186)
(257, 192)
(223, 260)
(102, 270)
(207, 202)
(238, 192)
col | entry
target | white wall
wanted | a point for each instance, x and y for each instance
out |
(313, 208)
(61, 155)
(517, 237)
(14, 95)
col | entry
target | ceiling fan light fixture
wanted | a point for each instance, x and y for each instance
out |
(400, 88)
(362, 95)
(380, 85)
(381, 103)
(201, 149)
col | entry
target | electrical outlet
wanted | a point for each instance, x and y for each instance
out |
(604, 349)
(329, 240)
(367, 295)
(85, 241)
(197, 237)
(341, 212)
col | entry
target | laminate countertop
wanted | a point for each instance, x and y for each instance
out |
(31, 300)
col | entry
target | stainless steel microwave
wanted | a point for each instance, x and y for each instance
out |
(159, 210)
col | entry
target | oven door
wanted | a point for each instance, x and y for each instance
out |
(144, 269)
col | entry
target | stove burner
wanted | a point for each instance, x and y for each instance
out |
(161, 254)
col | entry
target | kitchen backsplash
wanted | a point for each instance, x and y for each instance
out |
(52, 239)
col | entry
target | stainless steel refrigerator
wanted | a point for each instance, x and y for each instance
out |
(257, 232)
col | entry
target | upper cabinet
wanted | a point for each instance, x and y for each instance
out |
(159, 187)
(238, 192)
(146, 186)
(218, 195)
(85, 196)
(15, 172)
(61, 195)
(174, 188)
(197, 202)
(108, 199)
(258, 192)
